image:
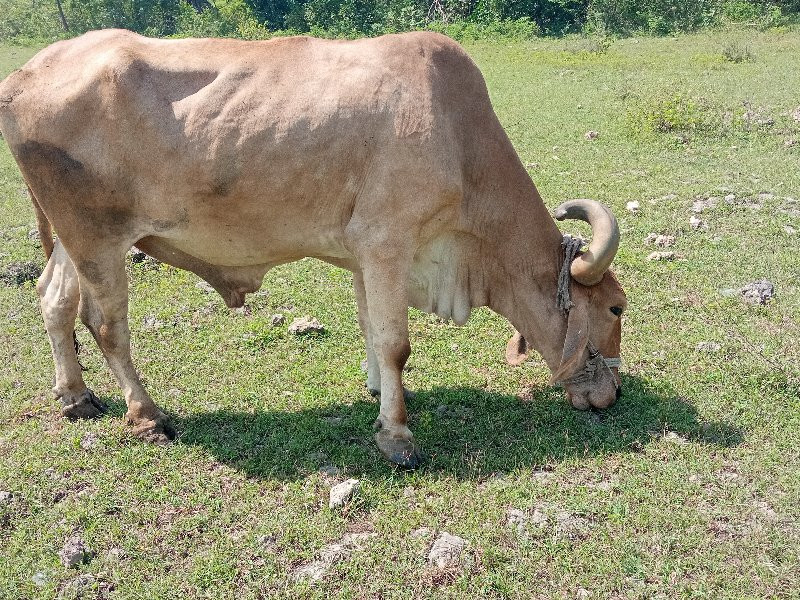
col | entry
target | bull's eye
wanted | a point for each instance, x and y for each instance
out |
(617, 310)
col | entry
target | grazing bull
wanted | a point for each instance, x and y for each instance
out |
(226, 158)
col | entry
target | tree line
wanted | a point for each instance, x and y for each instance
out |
(44, 20)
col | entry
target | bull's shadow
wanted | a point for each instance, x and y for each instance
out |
(465, 432)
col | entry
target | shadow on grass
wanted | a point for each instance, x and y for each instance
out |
(465, 432)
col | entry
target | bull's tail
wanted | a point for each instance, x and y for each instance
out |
(43, 225)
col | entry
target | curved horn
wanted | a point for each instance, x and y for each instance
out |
(589, 267)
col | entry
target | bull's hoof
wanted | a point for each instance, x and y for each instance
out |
(407, 394)
(82, 406)
(400, 451)
(155, 431)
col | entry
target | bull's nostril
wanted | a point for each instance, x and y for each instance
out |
(619, 393)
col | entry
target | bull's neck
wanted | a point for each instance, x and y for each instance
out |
(527, 248)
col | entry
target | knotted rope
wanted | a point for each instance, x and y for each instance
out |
(571, 246)
(596, 361)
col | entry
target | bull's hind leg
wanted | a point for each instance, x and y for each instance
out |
(385, 290)
(59, 294)
(104, 310)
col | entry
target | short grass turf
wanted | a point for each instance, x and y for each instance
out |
(688, 487)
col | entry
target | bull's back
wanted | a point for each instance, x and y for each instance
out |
(174, 136)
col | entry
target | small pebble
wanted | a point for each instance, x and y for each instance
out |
(74, 552)
(342, 493)
(6, 497)
(633, 206)
(758, 292)
(710, 347)
(591, 135)
(305, 325)
(277, 320)
(447, 550)
(661, 256)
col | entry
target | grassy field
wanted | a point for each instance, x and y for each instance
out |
(689, 487)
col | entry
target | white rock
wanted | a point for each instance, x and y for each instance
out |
(6, 497)
(661, 256)
(710, 347)
(517, 519)
(277, 319)
(675, 438)
(447, 550)
(591, 135)
(696, 223)
(88, 440)
(331, 554)
(539, 518)
(789, 230)
(342, 493)
(305, 325)
(633, 206)
(730, 198)
(74, 552)
(758, 292)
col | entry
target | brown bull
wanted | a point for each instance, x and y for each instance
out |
(226, 158)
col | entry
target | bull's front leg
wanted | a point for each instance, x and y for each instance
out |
(385, 298)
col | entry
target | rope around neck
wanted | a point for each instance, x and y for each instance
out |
(571, 246)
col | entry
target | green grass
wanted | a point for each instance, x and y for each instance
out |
(237, 503)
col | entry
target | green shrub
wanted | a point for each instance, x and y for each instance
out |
(677, 114)
(737, 51)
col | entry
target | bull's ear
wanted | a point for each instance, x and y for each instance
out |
(575, 341)
(517, 350)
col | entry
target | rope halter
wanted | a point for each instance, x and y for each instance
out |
(596, 361)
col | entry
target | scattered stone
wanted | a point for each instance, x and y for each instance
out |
(78, 588)
(701, 204)
(758, 292)
(150, 322)
(517, 520)
(709, 347)
(696, 223)
(730, 198)
(115, 554)
(33, 234)
(539, 518)
(795, 114)
(447, 550)
(277, 320)
(305, 325)
(765, 509)
(422, 532)
(632, 206)
(244, 310)
(17, 273)
(789, 229)
(662, 241)
(757, 116)
(342, 493)
(675, 438)
(330, 470)
(205, 286)
(88, 440)
(669, 255)
(571, 526)
(330, 555)
(74, 552)
(790, 142)
(6, 497)
(591, 135)
(39, 579)
(582, 594)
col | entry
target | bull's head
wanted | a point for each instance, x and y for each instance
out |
(587, 369)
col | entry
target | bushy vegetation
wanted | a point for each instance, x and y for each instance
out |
(463, 19)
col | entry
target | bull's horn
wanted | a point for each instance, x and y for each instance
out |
(589, 267)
